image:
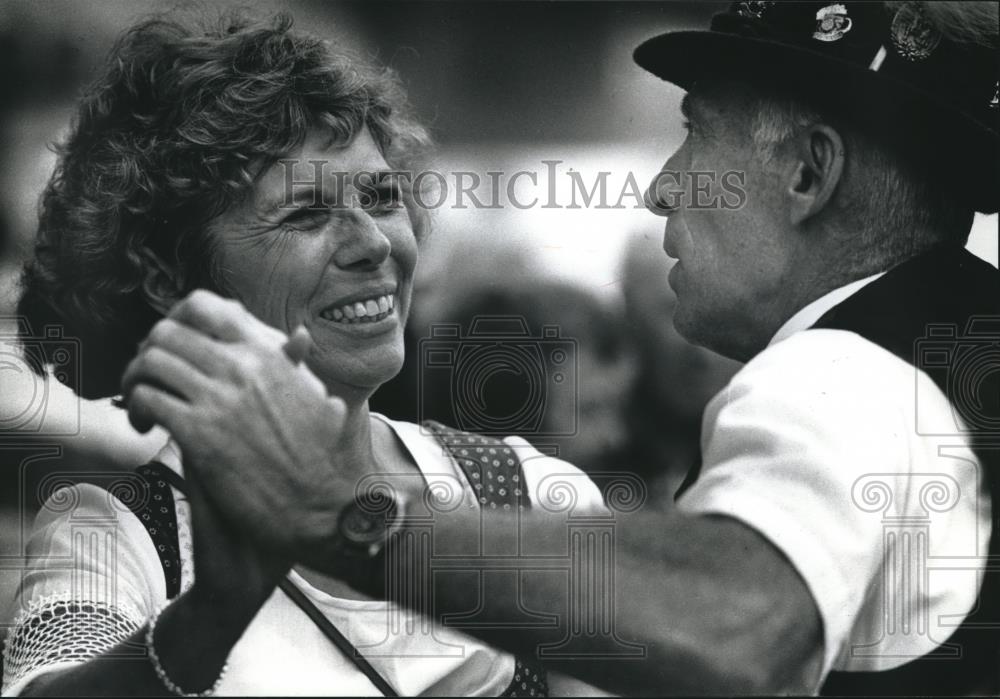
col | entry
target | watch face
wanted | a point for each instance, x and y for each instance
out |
(360, 525)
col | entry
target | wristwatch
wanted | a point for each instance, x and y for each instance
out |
(364, 528)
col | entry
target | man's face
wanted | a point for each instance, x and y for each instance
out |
(724, 229)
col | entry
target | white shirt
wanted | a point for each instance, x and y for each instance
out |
(88, 546)
(807, 316)
(853, 464)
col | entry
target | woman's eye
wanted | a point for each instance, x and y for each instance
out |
(305, 219)
(388, 200)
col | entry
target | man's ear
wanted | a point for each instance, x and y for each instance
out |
(818, 167)
(162, 285)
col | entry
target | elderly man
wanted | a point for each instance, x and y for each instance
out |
(835, 536)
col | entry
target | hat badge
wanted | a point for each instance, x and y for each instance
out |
(754, 8)
(913, 36)
(832, 23)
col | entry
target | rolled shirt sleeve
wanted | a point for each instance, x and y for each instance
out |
(813, 445)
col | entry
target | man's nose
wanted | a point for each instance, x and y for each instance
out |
(363, 245)
(665, 193)
(663, 196)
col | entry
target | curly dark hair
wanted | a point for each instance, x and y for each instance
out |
(171, 135)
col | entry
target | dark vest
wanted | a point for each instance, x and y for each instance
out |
(940, 312)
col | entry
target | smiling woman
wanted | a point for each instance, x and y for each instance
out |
(320, 262)
(185, 125)
(168, 222)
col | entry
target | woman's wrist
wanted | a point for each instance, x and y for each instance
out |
(194, 635)
(165, 678)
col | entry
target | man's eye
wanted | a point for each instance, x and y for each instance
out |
(686, 125)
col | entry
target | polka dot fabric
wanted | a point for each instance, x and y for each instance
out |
(491, 467)
(494, 472)
(158, 516)
(529, 680)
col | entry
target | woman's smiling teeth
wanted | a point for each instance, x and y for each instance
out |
(365, 311)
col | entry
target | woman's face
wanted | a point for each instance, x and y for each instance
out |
(309, 247)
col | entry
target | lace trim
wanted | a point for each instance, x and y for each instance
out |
(56, 630)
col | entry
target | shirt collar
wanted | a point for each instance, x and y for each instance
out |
(808, 315)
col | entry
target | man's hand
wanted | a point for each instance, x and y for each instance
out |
(256, 427)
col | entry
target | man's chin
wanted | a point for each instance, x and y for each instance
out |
(684, 323)
(698, 328)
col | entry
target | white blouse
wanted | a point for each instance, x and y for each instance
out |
(94, 565)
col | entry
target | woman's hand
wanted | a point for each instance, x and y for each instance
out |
(228, 565)
(234, 577)
(257, 429)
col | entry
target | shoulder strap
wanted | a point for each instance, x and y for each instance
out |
(495, 472)
(491, 467)
(338, 639)
(158, 515)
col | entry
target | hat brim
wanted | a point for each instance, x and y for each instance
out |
(952, 140)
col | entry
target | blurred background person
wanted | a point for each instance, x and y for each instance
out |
(539, 356)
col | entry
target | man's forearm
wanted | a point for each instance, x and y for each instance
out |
(650, 603)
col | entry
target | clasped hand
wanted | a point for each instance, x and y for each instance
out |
(258, 431)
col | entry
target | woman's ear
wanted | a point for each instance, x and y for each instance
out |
(818, 167)
(162, 285)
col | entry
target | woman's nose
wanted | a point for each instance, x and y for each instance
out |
(364, 246)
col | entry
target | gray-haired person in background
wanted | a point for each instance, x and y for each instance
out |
(834, 538)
